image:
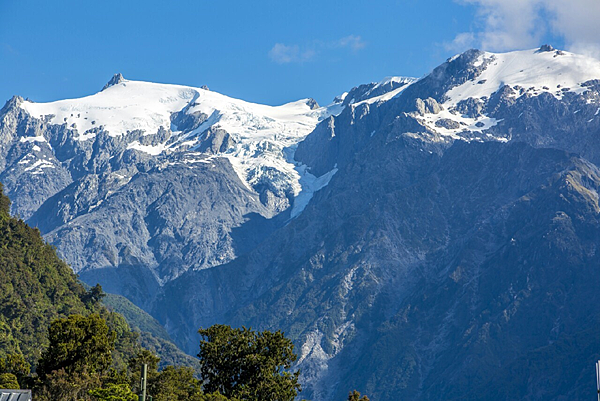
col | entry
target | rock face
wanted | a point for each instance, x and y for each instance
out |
(431, 265)
(141, 182)
(415, 238)
(116, 79)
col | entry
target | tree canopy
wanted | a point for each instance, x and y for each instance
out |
(78, 343)
(248, 365)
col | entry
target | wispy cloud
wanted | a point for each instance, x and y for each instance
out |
(516, 24)
(284, 54)
(353, 42)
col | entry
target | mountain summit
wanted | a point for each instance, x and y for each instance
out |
(416, 237)
(116, 79)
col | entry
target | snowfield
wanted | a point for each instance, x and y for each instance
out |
(528, 72)
(265, 136)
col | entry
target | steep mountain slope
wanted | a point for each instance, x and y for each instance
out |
(140, 182)
(427, 237)
(428, 265)
(37, 287)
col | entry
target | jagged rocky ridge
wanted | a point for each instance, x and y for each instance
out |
(454, 242)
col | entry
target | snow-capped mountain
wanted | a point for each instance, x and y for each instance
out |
(82, 171)
(528, 73)
(257, 139)
(454, 245)
(416, 237)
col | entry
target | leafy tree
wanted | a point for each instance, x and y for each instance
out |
(9, 381)
(15, 364)
(355, 396)
(172, 383)
(176, 384)
(215, 397)
(64, 386)
(13, 367)
(135, 364)
(78, 344)
(113, 392)
(244, 364)
(95, 294)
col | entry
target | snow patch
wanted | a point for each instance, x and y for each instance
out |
(309, 184)
(40, 164)
(30, 139)
(152, 150)
(265, 137)
(535, 72)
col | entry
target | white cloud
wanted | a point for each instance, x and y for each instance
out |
(518, 24)
(355, 43)
(578, 21)
(284, 54)
(462, 41)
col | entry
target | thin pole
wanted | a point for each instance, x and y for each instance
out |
(598, 379)
(143, 383)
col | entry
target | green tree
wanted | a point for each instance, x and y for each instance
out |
(63, 386)
(355, 396)
(9, 381)
(113, 392)
(176, 384)
(78, 344)
(249, 365)
(170, 384)
(14, 366)
(94, 295)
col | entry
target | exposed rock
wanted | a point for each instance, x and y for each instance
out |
(215, 140)
(447, 123)
(312, 103)
(471, 107)
(545, 48)
(427, 106)
(115, 80)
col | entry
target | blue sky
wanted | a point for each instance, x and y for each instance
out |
(262, 51)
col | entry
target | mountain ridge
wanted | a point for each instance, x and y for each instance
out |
(401, 252)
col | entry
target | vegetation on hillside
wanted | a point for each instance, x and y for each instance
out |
(152, 335)
(61, 340)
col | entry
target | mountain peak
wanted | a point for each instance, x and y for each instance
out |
(312, 103)
(545, 48)
(116, 79)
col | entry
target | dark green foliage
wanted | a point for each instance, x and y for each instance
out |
(137, 318)
(36, 287)
(60, 385)
(172, 383)
(176, 384)
(152, 335)
(94, 295)
(355, 396)
(78, 344)
(215, 397)
(14, 366)
(113, 392)
(244, 364)
(9, 381)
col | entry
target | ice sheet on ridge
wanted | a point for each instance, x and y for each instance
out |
(531, 72)
(544, 71)
(265, 136)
